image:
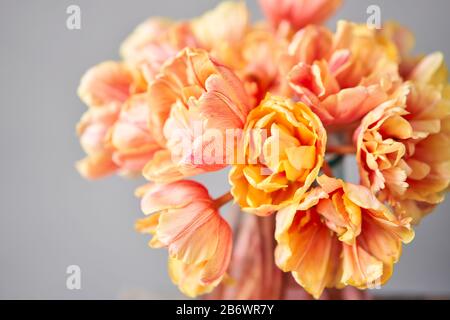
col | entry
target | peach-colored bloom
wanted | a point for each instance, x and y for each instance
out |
(109, 82)
(184, 218)
(404, 149)
(298, 13)
(131, 137)
(284, 147)
(155, 41)
(380, 147)
(111, 91)
(342, 76)
(192, 93)
(339, 234)
(104, 88)
(222, 30)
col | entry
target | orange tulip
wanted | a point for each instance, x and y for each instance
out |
(339, 234)
(131, 138)
(404, 149)
(194, 101)
(342, 76)
(114, 131)
(104, 88)
(380, 145)
(109, 83)
(283, 150)
(184, 218)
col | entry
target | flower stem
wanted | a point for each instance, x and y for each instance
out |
(347, 149)
(222, 200)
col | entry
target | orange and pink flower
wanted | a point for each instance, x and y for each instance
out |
(105, 88)
(183, 218)
(283, 148)
(192, 92)
(131, 138)
(403, 146)
(339, 234)
(342, 76)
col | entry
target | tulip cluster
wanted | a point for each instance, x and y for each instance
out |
(275, 101)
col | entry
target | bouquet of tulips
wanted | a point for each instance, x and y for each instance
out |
(276, 101)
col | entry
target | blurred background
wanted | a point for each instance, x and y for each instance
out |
(51, 218)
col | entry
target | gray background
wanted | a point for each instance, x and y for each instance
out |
(51, 218)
